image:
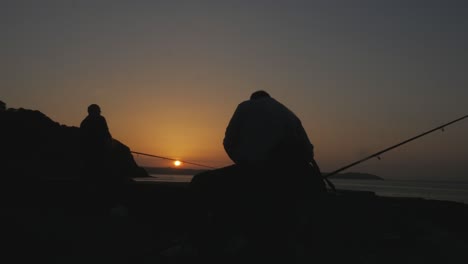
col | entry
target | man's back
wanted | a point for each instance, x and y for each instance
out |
(94, 131)
(263, 128)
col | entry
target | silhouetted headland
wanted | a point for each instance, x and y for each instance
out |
(34, 147)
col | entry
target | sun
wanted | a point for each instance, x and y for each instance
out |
(177, 163)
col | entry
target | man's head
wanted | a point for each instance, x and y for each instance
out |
(259, 95)
(94, 109)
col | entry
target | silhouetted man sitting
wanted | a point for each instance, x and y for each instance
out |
(272, 155)
(96, 147)
(96, 140)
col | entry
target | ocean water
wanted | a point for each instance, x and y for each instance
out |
(167, 178)
(437, 190)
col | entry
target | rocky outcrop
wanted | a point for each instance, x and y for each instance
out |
(34, 147)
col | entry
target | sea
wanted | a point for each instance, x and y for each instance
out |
(434, 190)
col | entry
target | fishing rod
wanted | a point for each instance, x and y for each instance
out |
(154, 156)
(377, 154)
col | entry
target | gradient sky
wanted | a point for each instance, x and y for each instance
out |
(168, 74)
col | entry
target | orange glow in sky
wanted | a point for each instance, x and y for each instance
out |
(169, 76)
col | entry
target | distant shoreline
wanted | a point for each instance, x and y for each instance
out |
(178, 171)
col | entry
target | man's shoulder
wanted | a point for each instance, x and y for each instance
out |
(93, 120)
(245, 105)
(84, 121)
(258, 102)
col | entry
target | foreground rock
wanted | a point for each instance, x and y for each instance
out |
(347, 227)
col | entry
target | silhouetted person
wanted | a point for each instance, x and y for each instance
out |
(268, 145)
(95, 134)
(2, 106)
(263, 131)
(96, 147)
(272, 171)
(96, 142)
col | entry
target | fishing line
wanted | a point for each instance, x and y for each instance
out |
(166, 158)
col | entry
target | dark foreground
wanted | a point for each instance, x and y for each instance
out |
(59, 223)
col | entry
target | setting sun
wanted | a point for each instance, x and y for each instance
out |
(177, 163)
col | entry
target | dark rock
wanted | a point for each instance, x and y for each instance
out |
(34, 147)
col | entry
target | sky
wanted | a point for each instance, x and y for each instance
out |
(168, 75)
